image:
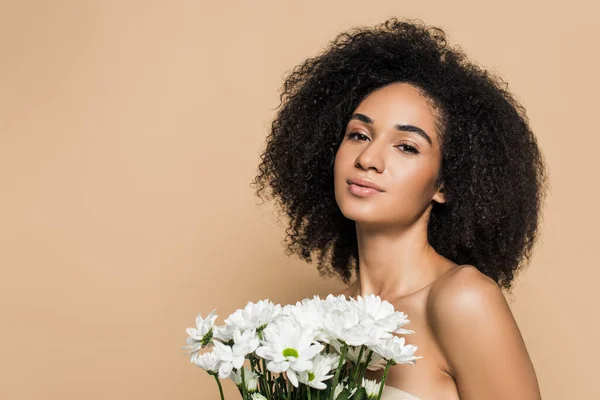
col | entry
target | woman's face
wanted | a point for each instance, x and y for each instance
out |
(390, 141)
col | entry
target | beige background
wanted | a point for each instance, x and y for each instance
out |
(129, 133)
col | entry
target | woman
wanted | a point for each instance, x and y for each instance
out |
(397, 158)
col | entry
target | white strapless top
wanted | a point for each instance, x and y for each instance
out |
(391, 393)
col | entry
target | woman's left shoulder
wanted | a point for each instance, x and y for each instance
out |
(478, 336)
(466, 290)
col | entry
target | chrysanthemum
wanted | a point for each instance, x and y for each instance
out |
(372, 388)
(253, 316)
(250, 378)
(322, 365)
(395, 350)
(202, 335)
(234, 356)
(208, 361)
(288, 348)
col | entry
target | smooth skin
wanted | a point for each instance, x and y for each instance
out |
(471, 346)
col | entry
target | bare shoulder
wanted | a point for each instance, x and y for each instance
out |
(474, 327)
(463, 285)
(465, 294)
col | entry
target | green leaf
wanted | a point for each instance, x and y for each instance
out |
(360, 394)
(343, 395)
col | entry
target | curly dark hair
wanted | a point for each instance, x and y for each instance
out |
(492, 170)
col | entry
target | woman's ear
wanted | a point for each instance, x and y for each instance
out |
(439, 195)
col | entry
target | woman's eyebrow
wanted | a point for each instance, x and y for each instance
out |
(399, 127)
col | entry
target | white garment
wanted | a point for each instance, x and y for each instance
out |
(392, 393)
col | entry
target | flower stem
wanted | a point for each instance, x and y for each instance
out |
(356, 371)
(385, 372)
(289, 393)
(337, 371)
(278, 389)
(364, 368)
(245, 394)
(220, 387)
(266, 380)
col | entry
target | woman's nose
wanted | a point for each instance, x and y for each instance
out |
(370, 157)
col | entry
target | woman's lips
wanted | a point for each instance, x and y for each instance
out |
(362, 191)
(363, 187)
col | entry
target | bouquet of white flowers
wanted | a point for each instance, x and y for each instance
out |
(306, 345)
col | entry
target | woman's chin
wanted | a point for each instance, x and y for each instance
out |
(360, 216)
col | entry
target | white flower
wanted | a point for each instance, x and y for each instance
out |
(233, 356)
(289, 348)
(315, 301)
(376, 309)
(331, 359)
(336, 302)
(338, 389)
(345, 325)
(382, 313)
(308, 313)
(290, 338)
(394, 349)
(371, 387)
(401, 319)
(253, 316)
(201, 336)
(207, 361)
(250, 378)
(322, 364)
(222, 334)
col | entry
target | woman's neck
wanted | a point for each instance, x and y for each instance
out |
(395, 264)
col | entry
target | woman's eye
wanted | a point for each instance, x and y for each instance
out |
(408, 149)
(358, 135)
